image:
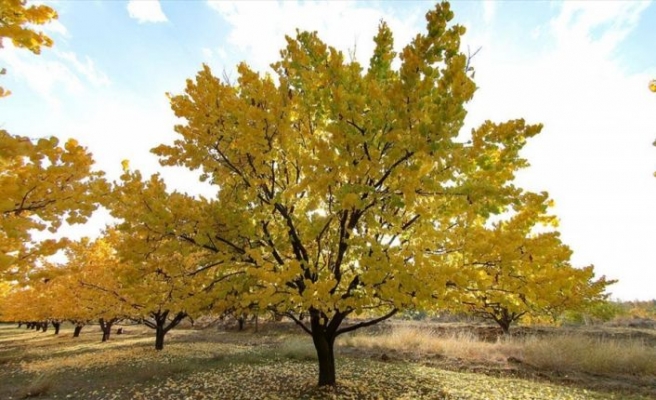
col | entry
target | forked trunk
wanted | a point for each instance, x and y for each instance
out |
(106, 327)
(324, 331)
(159, 324)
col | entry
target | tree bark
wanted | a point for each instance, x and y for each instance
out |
(159, 337)
(240, 321)
(324, 343)
(77, 330)
(106, 327)
(57, 325)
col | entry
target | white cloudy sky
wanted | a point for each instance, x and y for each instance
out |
(580, 68)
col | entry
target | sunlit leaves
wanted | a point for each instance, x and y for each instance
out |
(518, 267)
(17, 21)
(42, 185)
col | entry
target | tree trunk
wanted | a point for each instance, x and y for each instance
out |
(20, 324)
(44, 326)
(159, 337)
(505, 327)
(28, 325)
(106, 327)
(160, 326)
(57, 325)
(77, 330)
(324, 343)
(240, 321)
(504, 321)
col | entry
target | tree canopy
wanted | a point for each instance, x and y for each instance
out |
(338, 186)
(342, 191)
(42, 185)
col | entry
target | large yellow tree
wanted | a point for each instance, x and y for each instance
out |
(337, 185)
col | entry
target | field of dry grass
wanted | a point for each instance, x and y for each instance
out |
(399, 360)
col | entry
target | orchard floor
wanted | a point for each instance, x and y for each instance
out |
(277, 362)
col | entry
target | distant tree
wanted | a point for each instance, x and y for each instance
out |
(511, 269)
(163, 274)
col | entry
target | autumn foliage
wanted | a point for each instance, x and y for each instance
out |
(16, 23)
(342, 190)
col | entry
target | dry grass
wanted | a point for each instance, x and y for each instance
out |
(422, 342)
(297, 348)
(560, 352)
(210, 364)
(593, 355)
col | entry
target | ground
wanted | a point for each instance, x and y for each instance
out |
(393, 361)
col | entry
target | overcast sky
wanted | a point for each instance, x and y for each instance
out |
(580, 68)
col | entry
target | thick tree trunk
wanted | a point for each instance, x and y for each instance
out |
(240, 321)
(44, 326)
(57, 325)
(28, 325)
(326, 355)
(324, 343)
(77, 330)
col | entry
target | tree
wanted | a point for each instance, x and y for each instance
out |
(16, 23)
(166, 277)
(42, 185)
(337, 186)
(514, 267)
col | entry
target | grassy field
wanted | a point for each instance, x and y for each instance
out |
(395, 361)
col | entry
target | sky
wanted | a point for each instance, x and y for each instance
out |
(580, 68)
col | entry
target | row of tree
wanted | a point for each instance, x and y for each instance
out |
(341, 192)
